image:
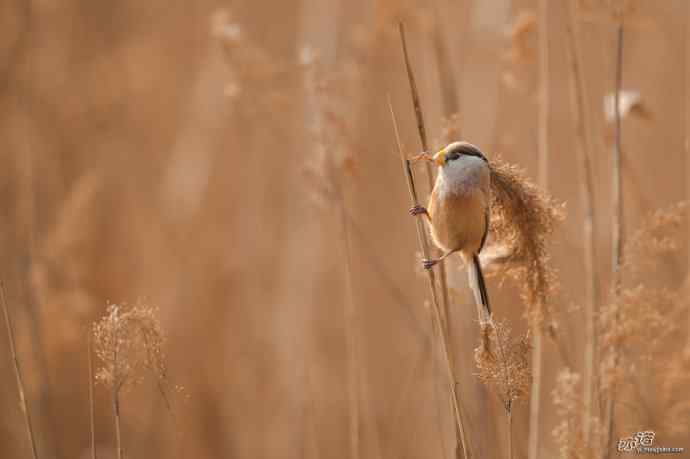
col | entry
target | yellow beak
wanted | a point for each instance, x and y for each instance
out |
(440, 157)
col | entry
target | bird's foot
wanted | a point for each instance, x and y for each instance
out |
(417, 210)
(428, 264)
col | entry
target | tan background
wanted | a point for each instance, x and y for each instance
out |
(142, 158)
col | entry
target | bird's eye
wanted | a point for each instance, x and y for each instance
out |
(452, 155)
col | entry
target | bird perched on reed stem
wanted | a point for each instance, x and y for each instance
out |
(458, 212)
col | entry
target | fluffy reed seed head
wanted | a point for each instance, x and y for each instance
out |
(659, 236)
(676, 379)
(523, 216)
(569, 432)
(503, 363)
(638, 323)
(129, 340)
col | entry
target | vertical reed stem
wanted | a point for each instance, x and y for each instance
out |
(18, 374)
(687, 136)
(587, 197)
(617, 224)
(429, 173)
(92, 404)
(351, 328)
(424, 245)
(509, 414)
(116, 410)
(543, 167)
(449, 99)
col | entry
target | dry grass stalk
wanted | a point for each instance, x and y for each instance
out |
(687, 135)
(18, 374)
(92, 404)
(617, 203)
(686, 129)
(128, 341)
(503, 365)
(419, 116)
(543, 168)
(424, 245)
(450, 102)
(587, 197)
(444, 313)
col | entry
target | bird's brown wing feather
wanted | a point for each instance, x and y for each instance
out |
(487, 216)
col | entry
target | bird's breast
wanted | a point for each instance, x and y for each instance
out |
(458, 209)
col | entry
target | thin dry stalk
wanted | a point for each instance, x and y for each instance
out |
(587, 197)
(687, 134)
(116, 411)
(92, 405)
(419, 116)
(510, 433)
(17, 373)
(449, 97)
(617, 224)
(351, 330)
(443, 278)
(535, 397)
(424, 245)
(543, 167)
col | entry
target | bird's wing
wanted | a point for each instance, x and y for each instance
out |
(487, 216)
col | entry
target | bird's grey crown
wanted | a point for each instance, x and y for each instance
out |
(457, 149)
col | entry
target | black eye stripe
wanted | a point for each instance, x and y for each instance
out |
(474, 153)
(455, 154)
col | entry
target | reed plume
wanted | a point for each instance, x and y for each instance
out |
(129, 342)
(523, 216)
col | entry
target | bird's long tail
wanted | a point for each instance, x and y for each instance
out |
(481, 295)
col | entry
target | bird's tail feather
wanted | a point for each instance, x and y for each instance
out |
(481, 295)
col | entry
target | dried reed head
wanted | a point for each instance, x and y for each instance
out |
(129, 340)
(660, 236)
(569, 433)
(676, 380)
(503, 363)
(521, 34)
(638, 320)
(330, 131)
(258, 78)
(637, 324)
(631, 324)
(522, 218)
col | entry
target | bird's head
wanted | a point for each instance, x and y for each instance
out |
(456, 150)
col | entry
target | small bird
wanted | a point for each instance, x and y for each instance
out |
(458, 212)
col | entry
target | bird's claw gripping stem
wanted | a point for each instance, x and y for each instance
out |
(417, 210)
(428, 264)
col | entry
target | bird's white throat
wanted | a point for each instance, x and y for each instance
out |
(464, 175)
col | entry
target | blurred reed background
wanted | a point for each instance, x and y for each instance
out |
(233, 164)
